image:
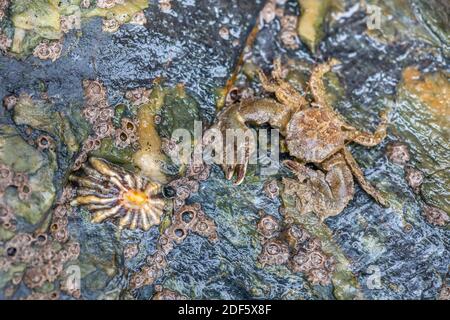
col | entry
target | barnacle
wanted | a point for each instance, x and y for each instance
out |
(268, 226)
(414, 178)
(44, 142)
(126, 135)
(9, 102)
(6, 177)
(289, 35)
(188, 219)
(16, 179)
(44, 261)
(165, 5)
(183, 188)
(7, 218)
(110, 25)
(435, 216)
(94, 92)
(224, 33)
(48, 50)
(114, 193)
(138, 96)
(5, 42)
(3, 6)
(289, 39)
(398, 153)
(103, 129)
(130, 251)
(107, 4)
(85, 4)
(268, 12)
(91, 143)
(122, 138)
(167, 294)
(294, 247)
(274, 252)
(271, 189)
(139, 18)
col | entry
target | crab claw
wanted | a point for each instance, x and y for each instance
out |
(236, 169)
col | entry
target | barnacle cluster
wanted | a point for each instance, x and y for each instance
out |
(53, 295)
(98, 113)
(138, 96)
(44, 261)
(9, 178)
(292, 246)
(188, 219)
(48, 50)
(288, 33)
(111, 192)
(188, 184)
(111, 23)
(126, 135)
(108, 4)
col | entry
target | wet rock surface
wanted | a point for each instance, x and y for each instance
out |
(400, 252)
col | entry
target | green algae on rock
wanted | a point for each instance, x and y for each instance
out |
(42, 115)
(36, 20)
(21, 157)
(311, 22)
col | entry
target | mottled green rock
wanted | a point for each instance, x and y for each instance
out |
(43, 116)
(22, 157)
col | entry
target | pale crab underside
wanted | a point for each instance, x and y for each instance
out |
(112, 193)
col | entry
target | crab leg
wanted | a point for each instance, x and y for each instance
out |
(316, 83)
(284, 92)
(369, 139)
(359, 175)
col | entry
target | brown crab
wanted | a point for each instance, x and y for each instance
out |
(314, 133)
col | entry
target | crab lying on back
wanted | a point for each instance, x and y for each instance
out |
(314, 133)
